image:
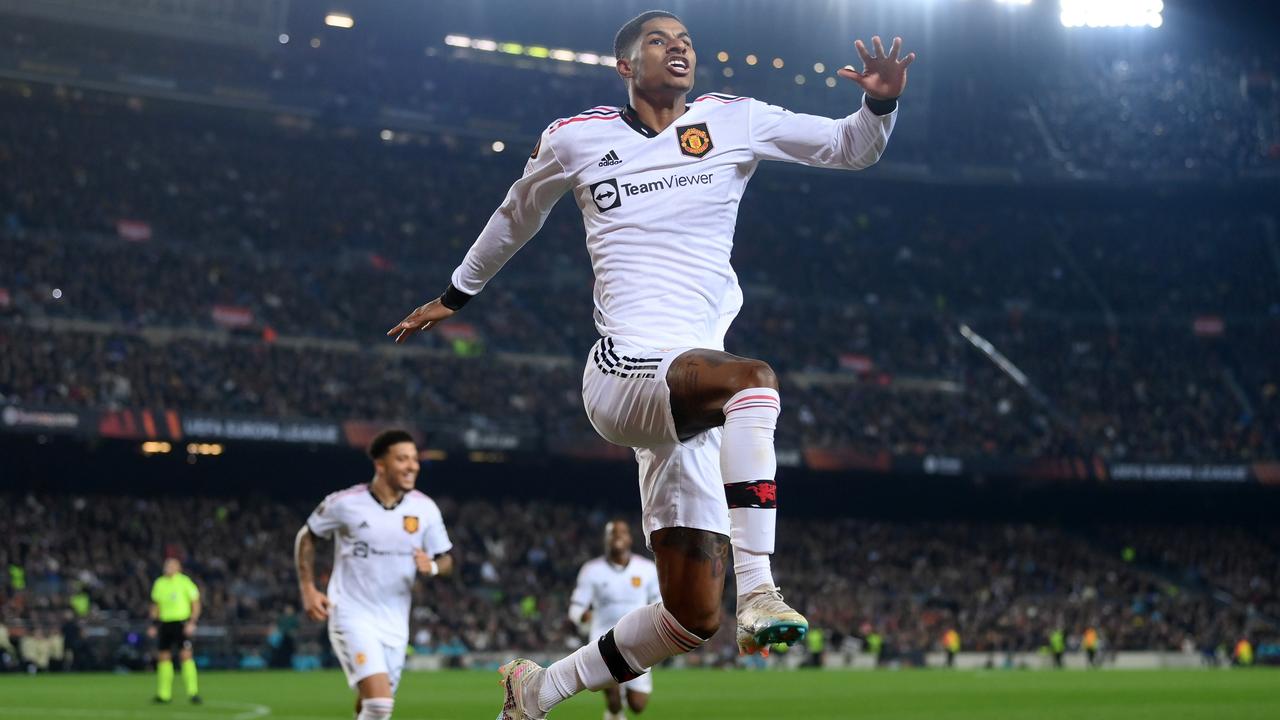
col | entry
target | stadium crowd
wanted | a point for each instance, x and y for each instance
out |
(1140, 355)
(1155, 112)
(83, 565)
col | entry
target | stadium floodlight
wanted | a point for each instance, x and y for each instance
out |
(339, 20)
(498, 146)
(1111, 13)
(751, 59)
(534, 51)
(283, 38)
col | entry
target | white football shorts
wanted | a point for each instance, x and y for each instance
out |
(629, 403)
(362, 654)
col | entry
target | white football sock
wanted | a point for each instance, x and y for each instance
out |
(748, 465)
(751, 570)
(376, 709)
(643, 638)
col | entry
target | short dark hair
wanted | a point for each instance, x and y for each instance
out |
(630, 32)
(385, 439)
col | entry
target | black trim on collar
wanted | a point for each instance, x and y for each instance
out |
(384, 507)
(629, 117)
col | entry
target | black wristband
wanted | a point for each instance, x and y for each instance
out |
(881, 107)
(453, 298)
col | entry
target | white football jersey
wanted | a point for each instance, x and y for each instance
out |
(660, 207)
(373, 567)
(611, 591)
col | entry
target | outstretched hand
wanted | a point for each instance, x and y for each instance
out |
(424, 318)
(883, 77)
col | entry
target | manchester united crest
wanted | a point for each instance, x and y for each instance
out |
(411, 523)
(695, 140)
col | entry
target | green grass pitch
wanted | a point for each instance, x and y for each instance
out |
(681, 695)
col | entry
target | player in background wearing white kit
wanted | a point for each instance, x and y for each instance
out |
(385, 535)
(609, 587)
(658, 183)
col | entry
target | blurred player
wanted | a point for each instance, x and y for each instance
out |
(386, 534)
(609, 587)
(951, 644)
(175, 609)
(658, 183)
(1090, 644)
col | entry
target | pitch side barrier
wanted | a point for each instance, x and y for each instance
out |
(483, 441)
(1125, 660)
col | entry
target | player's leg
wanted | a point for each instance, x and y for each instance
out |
(364, 662)
(712, 389)
(691, 571)
(376, 701)
(190, 678)
(637, 701)
(613, 703)
(164, 675)
(637, 692)
(627, 401)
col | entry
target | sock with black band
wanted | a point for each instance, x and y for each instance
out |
(748, 465)
(643, 638)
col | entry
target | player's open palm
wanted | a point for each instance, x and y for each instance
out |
(316, 605)
(424, 318)
(883, 76)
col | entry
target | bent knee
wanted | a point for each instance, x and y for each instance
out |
(703, 622)
(754, 374)
(637, 702)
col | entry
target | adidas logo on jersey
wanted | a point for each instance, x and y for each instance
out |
(610, 159)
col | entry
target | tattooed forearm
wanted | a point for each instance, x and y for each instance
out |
(304, 558)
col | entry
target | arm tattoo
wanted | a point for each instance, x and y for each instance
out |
(304, 557)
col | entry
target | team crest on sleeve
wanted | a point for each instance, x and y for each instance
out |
(695, 140)
(635, 581)
(411, 523)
